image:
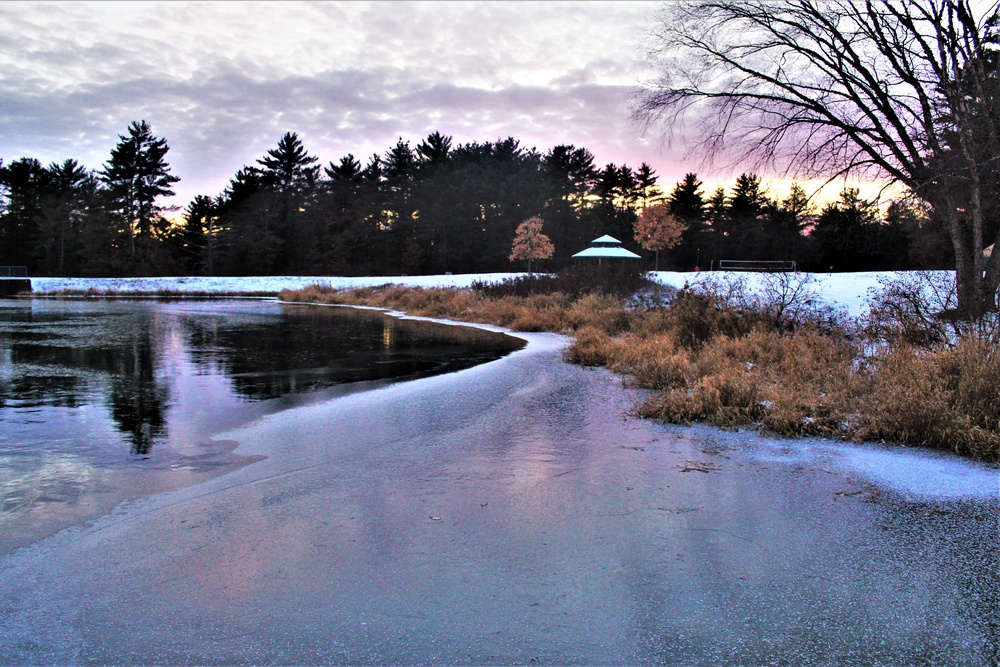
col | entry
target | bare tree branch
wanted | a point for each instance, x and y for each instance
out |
(904, 90)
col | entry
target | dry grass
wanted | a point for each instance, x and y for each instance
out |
(539, 312)
(706, 360)
(793, 384)
(946, 399)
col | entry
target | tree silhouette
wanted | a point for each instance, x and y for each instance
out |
(137, 174)
(65, 209)
(744, 219)
(289, 165)
(433, 150)
(289, 175)
(25, 182)
(848, 234)
(198, 238)
(903, 90)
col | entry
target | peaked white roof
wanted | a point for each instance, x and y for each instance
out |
(607, 246)
(619, 253)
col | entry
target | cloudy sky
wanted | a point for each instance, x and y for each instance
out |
(223, 81)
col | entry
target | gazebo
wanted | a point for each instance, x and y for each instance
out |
(606, 247)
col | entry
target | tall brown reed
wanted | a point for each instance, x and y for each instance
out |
(709, 357)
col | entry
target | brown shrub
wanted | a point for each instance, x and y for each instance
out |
(310, 294)
(726, 398)
(710, 361)
(434, 302)
(591, 347)
(692, 319)
(652, 362)
(946, 399)
(793, 384)
(597, 310)
(813, 389)
(534, 313)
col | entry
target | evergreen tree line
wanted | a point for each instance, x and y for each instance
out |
(430, 208)
(849, 234)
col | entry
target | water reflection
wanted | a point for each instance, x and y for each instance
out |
(92, 391)
(312, 348)
(138, 402)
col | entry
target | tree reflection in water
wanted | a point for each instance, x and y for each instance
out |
(71, 356)
(123, 354)
(105, 400)
(311, 348)
(137, 400)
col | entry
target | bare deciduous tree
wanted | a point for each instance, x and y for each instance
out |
(903, 90)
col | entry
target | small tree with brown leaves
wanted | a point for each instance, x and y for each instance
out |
(656, 229)
(530, 243)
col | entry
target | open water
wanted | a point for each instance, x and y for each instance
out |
(510, 513)
(105, 400)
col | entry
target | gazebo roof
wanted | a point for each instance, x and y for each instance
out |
(606, 247)
(618, 253)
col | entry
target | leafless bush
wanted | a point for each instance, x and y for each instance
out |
(783, 301)
(919, 309)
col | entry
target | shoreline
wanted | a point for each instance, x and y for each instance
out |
(933, 467)
(840, 290)
(504, 513)
(113, 484)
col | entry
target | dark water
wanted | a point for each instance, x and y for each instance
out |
(105, 400)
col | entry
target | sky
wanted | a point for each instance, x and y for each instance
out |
(223, 81)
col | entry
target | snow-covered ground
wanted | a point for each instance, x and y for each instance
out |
(223, 284)
(916, 473)
(847, 291)
(844, 291)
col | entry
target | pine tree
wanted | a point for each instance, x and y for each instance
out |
(25, 182)
(136, 175)
(199, 236)
(70, 201)
(433, 150)
(289, 167)
(289, 174)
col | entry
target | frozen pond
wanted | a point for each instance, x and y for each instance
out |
(103, 400)
(511, 513)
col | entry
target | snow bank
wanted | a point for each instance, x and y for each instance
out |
(205, 284)
(844, 291)
(917, 473)
(847, 291)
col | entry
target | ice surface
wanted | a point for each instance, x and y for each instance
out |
(510, 514)
(924, 474)
(918, 474)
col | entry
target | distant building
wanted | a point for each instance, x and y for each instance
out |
(606, 247)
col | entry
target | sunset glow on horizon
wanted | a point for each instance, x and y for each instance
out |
(222, 82)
